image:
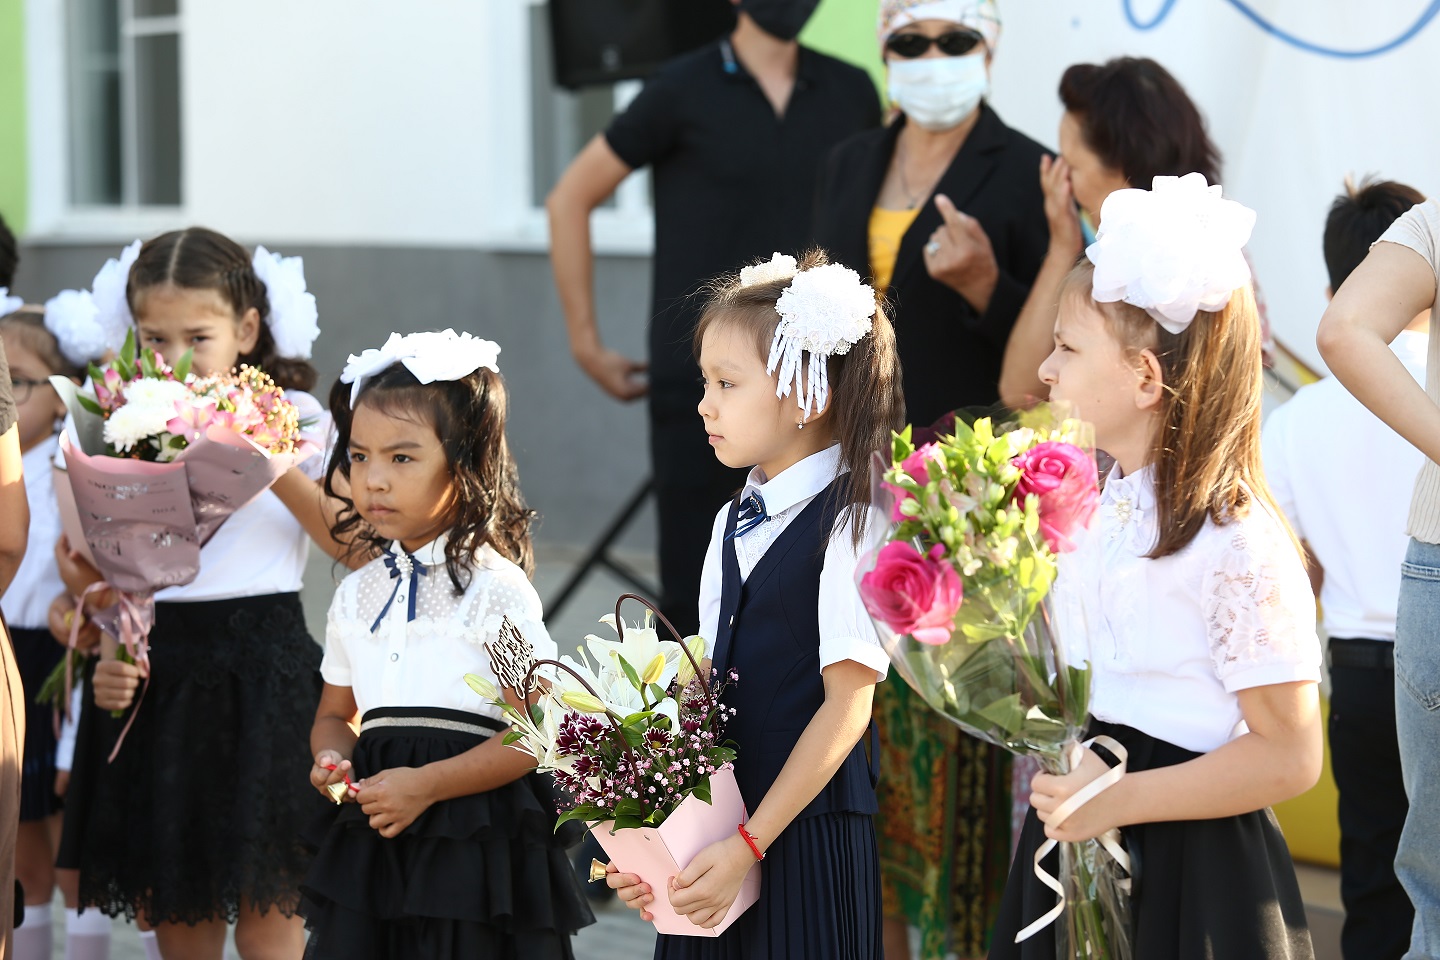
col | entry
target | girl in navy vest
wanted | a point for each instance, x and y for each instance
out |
(778, 600)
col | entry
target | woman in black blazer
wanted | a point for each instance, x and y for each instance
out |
(985, 210)
(942, 209)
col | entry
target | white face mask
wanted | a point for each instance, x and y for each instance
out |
(938, 92)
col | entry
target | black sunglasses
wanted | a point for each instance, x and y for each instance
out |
(956, 43)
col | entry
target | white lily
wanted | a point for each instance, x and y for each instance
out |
(638, 645)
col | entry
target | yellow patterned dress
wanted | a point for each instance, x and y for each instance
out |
(944, 821)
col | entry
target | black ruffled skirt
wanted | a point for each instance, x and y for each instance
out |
(36, 654)
(477, 876)
(202, 809)
(819, 899)
(1220, 889)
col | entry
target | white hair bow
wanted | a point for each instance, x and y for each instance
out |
(294, 318)
(108, 291)
(73, 319)
(1172, 251)
(431, 356)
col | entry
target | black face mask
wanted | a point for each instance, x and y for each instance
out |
(780, 18)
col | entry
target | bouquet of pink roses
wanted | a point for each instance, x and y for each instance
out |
(634, 736)
(963, 592)
(155, 461)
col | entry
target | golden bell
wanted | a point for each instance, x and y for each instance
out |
(337, 791)
(597, 871)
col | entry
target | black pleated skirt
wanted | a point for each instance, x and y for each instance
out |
(819, 899)
(477, 876)
(37, 653)
(1221, 889)
(201, 810)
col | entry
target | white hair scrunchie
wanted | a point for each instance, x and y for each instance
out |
(108, 290)
(823, 312)
(73, 319)
(1172, 251)
(294, 318)
(430, 356)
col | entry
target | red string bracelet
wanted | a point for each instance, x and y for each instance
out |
(745, 835)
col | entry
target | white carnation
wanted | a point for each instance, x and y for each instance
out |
(135, 423)
(151, 392)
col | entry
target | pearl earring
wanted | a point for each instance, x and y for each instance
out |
(800, 425)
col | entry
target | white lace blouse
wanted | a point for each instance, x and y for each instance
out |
(1172, 641)
(388, 660)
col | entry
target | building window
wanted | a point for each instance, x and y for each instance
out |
(562, 122)
(124, 68)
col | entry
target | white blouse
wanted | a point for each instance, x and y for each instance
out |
(846, 632)
(423, 662)
(261, 549)
(1172, 641)
(37, 582)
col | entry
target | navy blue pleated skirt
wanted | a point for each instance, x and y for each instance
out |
(819, 899)
(480, 876)
(1221, 889)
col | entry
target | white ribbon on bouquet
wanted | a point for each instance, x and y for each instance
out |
(1109, 840)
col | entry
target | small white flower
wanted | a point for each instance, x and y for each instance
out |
(134, 423)
(151, 392)
(779, 267)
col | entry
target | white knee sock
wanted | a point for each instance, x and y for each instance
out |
(34, 939)
(151, 945)
(87, 935)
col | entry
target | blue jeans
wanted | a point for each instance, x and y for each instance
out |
(1417, 724)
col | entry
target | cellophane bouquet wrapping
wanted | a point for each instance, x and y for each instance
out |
(155, 461)
(969, 594)
(634, 734)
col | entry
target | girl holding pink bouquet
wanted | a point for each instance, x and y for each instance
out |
(802, 383)
(1201, 633)
(195, 822)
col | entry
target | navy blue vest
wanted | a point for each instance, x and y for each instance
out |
(769, 632)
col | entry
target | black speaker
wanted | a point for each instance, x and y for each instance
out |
(602, 41)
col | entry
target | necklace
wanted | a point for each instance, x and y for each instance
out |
(912, 200)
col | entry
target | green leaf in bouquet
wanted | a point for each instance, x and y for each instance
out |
(632, 736)
(586, 813)
(537, 714)
(630, 673)
(1006, 713)
(637, 718)
(657, 692)
(182, 369)
(901, 446)
(628, 823)
(88, 404)
(702, 790)
(720, 755)
(514, 736)
(629, 807)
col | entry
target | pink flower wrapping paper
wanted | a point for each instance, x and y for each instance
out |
(655, 854)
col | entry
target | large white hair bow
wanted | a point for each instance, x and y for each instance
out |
(823, 312)
(108, 291)
(294, 318)
(1173, 250)
(431, 356)
(73, 319)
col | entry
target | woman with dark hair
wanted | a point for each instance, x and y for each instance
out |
(941, 209)
(1126, 122)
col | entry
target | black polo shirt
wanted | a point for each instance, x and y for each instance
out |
(733, 182)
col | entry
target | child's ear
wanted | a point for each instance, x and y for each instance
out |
(247, 331)
(1150, 381)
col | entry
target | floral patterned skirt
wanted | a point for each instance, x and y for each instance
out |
(944, 825)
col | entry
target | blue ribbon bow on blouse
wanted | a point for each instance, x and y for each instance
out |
(752, 514)
(402, 566)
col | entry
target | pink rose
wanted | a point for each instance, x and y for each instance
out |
(916, 466)
(913, 593)
(1065, 479)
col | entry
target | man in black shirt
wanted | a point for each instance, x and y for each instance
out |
(735, 133)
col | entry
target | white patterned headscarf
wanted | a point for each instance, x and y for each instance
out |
(982, 16)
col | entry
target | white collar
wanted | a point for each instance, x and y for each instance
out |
(1127, 506)
(431, 554)
(800, 481)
